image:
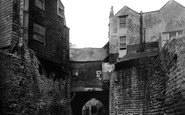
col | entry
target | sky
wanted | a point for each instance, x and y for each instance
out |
(88, 19)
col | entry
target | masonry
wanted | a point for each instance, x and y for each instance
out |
(32, 83)
(154, 88)
(165, 88)
(25, 90)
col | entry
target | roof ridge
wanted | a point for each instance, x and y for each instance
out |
(171, 1)
(151, 11)
(126, 7)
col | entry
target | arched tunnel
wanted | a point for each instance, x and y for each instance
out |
(81, 98)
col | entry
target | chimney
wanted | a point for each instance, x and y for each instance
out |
(111, 12)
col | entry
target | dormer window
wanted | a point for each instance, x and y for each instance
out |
(122, 21)
(60, 9)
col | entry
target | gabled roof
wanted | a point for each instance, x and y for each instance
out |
(168, 3)
(124, 8)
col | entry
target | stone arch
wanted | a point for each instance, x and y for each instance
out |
(94, 106)
(82, 97)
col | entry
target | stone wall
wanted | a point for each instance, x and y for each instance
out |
(86, 75)
(24, 91)
(127, 88)
(165, 91)
(153, 89)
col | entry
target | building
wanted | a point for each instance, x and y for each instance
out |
(86, 78)
(145, 50)
(39, 25)
(86, 66)
(128, 27)
(34, 57)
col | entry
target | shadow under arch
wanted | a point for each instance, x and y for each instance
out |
(93, 107)
(81, 98)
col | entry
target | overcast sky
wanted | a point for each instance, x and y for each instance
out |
(88, 19)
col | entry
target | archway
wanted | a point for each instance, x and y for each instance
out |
(93, 107)
(81, 98)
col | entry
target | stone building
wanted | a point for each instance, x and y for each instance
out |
(146, 49)
(128, 27)
(86, 78)
(34, 44)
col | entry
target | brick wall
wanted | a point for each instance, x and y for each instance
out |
(165, 91)
(25, 91)
(152, 89)
(127, 88)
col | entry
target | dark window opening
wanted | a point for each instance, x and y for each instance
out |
(39, 33)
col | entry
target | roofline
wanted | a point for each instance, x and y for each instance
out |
(62, 3)
(85, 61)
(151, 11)
(128, 8)
(168, 2)
(86, 48)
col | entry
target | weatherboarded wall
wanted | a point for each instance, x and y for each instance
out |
(24, 91)
(9, 22)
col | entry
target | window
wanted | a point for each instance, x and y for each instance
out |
(170, 35)
(39, 33)
(60, 9)
(123, 42)
(180, 32)
(40, 4)
(174, 34)
(122, 22)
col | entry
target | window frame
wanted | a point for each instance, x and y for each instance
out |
(59, 8)
(38, 33)
(122, 42)
(43, 7)
(169, 35)
(123, 21)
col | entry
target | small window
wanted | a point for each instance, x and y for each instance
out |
(60, 9)
(39, 33)
(122, 21)
(123, 43)
(180, 32)
(40, 4)
(172, 35)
